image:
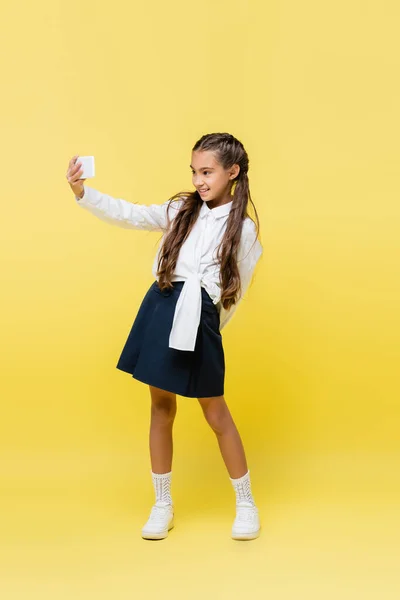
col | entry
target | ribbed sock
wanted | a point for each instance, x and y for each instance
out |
(162, 488)
(242, 487)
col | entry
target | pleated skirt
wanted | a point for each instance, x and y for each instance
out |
(147, 356)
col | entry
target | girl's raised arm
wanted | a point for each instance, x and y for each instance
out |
(116, 210)
(128, 215)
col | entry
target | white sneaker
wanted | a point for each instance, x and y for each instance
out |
(247, 523)
(161, 520)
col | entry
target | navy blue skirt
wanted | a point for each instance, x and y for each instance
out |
(148, 357)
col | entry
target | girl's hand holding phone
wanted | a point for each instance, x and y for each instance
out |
(74, 172)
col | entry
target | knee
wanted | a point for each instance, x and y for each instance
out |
(163, 411)
(218, 417)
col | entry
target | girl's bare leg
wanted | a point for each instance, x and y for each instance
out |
(220, 420)
(163, 411)
(246, 525)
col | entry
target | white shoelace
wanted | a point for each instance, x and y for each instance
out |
(158, 513)
(246, 514)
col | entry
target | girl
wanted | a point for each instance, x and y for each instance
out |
(204, 264)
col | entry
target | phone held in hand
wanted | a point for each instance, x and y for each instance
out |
(87, 166)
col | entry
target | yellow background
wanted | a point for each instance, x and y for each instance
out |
(312, 90)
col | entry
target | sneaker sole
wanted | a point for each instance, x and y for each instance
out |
(246, 536)
(159, 535)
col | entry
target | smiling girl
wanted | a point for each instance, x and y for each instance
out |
(203, 267)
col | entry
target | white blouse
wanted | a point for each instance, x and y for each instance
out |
(195, 265)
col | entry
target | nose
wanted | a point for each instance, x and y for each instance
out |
(197, 181)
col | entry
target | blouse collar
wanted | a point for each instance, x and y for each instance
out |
(218, 211)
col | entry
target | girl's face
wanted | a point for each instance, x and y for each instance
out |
(211, 180)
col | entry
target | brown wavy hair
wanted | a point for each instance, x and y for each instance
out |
(227, 151)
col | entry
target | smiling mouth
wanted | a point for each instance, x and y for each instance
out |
(203, 191)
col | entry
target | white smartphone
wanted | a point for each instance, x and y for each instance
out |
(87, 166)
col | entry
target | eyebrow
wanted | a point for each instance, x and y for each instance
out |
(202, 168)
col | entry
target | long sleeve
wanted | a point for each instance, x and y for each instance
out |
(128, 215)
(250, 250)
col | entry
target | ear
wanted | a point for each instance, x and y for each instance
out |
(234, 171)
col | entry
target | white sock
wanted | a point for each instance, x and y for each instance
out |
(162, 488)
(242, 487)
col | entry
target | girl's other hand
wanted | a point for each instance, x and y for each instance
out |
(73, 174)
